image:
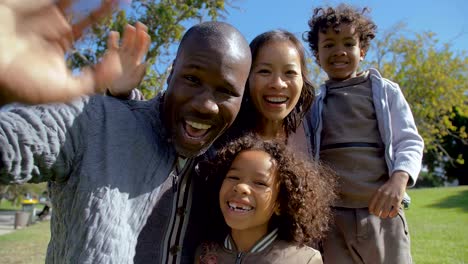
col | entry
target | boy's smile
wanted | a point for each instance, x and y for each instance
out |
(339, 52)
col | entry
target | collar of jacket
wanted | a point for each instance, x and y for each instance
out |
(259, 246)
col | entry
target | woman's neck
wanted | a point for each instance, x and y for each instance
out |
(246, 239)
(268, 129)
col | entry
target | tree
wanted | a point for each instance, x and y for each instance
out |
(434, 80)
(166, 20)
(456, 168)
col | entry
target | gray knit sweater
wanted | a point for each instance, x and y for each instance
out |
(106, 159)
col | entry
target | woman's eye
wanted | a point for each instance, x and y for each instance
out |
(260, 183)
(263, 71)
(291, 72)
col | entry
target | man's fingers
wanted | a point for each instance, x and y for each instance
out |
(27, 7)
(143, 45)
(49, 23)
(141, 26)
(128, 39)
(63, 5)
(113, 40)
(94, 17)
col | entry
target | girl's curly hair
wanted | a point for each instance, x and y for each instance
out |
(324, 18)
(306, 191)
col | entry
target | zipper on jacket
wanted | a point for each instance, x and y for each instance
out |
(174, 182)
(239, 257)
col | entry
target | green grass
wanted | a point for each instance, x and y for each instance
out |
(438, 222)
(8, 206)
(28, 245)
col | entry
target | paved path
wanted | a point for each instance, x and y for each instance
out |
(7, 222)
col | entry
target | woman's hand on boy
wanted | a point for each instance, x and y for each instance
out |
(387, 199)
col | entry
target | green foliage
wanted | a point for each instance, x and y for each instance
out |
(429, 179)
(166, 20)
(455, 161)
(434, 80)
(16, 193)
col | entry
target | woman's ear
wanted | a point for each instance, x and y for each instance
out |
(277, 210)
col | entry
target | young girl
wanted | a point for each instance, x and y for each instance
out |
(272, 203)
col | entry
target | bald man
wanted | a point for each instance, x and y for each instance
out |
(117, 197)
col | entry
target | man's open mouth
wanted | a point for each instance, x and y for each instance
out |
(196, 129)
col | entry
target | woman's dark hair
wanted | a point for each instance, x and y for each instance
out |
(305, 194)
(244, 121)
(325, 18)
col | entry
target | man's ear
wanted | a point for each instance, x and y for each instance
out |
(171, 70)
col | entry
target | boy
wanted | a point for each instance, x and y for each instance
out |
(364, 129)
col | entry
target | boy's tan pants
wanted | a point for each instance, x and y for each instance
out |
(360, 237)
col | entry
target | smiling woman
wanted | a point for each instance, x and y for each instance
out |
(278, 93)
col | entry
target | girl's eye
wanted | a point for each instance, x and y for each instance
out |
(328, 45)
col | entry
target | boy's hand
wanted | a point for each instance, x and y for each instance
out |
(387, 199)
(34, 36)
(135, 45)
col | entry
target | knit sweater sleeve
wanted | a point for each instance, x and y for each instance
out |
(38, 143)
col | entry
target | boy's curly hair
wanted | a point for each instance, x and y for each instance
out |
(305, 194)
(324, 18)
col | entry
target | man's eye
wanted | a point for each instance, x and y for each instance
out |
(192, 79)
(227, 91)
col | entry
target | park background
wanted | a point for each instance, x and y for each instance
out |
(422, 45)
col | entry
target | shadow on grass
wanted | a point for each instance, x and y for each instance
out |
(459, 200)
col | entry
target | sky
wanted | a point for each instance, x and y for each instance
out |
(447, 19)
